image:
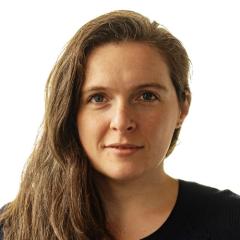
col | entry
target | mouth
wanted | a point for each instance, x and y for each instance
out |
(123, 146)
(124, 149)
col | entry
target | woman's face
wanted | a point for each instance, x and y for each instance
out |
(129, 110)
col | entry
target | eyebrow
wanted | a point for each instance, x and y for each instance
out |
(146, 85)
(151, 85)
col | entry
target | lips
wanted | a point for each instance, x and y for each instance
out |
(124, 146)
(123, 150)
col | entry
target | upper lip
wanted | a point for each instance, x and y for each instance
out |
(123, 145)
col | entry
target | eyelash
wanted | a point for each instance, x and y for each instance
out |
(152, 94)
(142, 93)
(93, 96)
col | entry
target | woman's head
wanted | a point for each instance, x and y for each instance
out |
(66, 80)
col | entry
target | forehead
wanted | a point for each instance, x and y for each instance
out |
(125, 62)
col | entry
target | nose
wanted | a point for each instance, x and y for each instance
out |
(122, 120)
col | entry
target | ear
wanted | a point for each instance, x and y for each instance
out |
(184, 108)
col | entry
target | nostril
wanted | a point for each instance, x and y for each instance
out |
(130, 128)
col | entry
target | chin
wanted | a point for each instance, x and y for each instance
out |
(123, 175)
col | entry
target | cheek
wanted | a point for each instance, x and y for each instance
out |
(90, 128)
(159, 131)
(160, 124)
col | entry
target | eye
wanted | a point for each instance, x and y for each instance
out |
(97, 98)
(148, 96)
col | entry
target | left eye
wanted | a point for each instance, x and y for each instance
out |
(148, 96)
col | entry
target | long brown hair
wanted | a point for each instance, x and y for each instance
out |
(58, 198)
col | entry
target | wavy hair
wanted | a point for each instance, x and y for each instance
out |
(58, 198)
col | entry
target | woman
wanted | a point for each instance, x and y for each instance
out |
(115, 103)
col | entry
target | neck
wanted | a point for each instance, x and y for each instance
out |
(133, 197)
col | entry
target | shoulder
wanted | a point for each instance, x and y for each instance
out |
(206, 196)
(1, 229)
(214, 209)
(1, 225)
(1, 232)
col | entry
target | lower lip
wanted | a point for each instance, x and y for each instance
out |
(124, 151)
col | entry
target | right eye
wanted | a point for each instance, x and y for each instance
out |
(97, 98)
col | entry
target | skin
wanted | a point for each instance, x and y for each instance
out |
(128, 97)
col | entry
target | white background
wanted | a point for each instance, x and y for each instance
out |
(33, 33)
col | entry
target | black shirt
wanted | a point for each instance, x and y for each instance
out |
(200, 213)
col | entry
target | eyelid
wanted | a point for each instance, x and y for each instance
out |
(149, 91)
(96, 94)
